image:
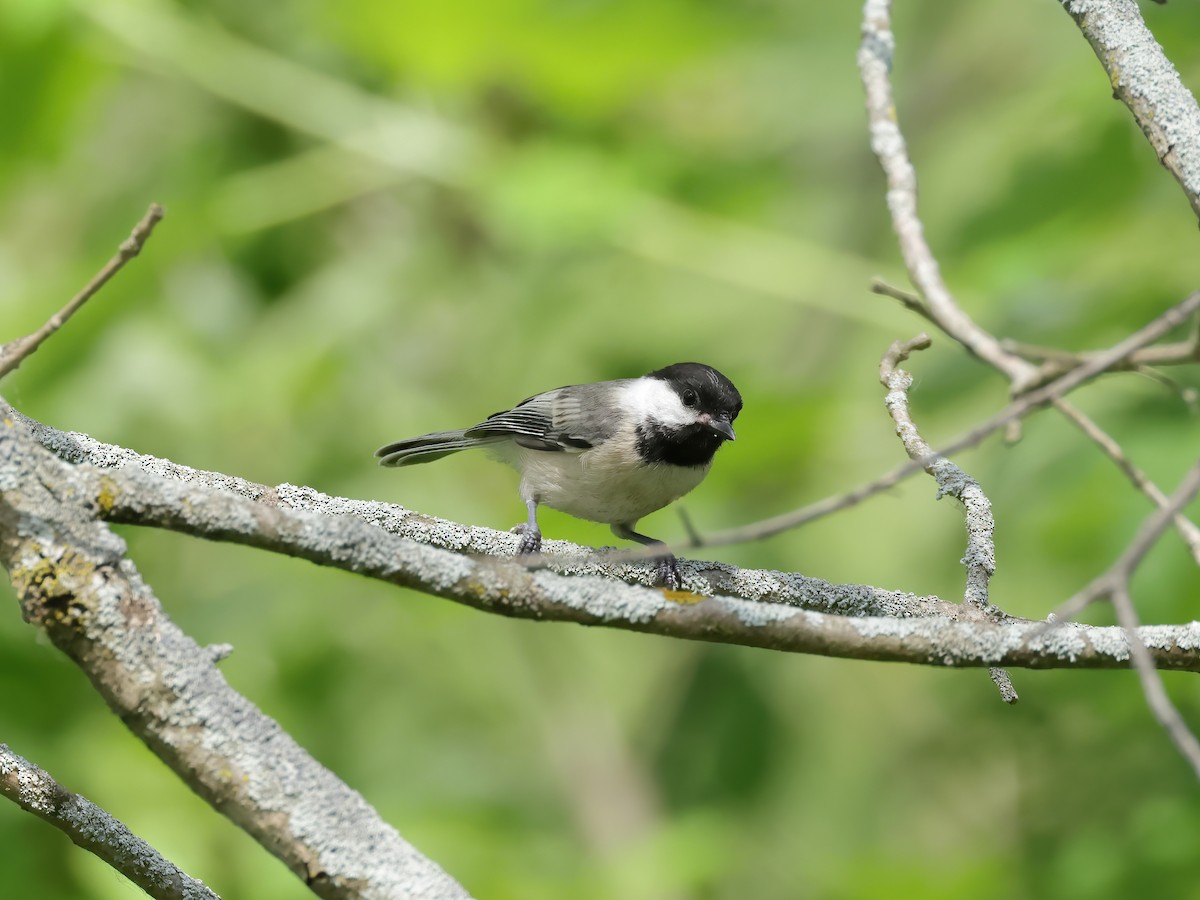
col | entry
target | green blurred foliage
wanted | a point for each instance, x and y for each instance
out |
(391, 217)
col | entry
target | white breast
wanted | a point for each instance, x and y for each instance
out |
(601, 484)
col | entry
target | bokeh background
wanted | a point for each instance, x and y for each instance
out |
(392, 216)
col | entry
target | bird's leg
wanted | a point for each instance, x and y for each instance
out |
(668, 568)
(531, 535)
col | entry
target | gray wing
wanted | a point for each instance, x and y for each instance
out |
(568, 418)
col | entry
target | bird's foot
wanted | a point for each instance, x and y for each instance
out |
(531, 539)
(668, 572)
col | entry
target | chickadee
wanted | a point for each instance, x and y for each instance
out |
(610, 452)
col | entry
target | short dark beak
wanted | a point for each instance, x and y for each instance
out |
(721, 426)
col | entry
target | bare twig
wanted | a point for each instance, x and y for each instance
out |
(1023, 405)
(1151, 529)
(1003, 682)
(14, 352)
(888, 142)
(95, 830)
(908, 299)
(1186, 527)
(685, 519)
(1114, 584)
(1152, 686)
(1145, 81)
(980, 558)
(1188, 394)
(1161, 705)
(1053, 361)
(875, 63)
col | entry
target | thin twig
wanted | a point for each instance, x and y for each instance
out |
(1054, 361)
(1181, 352)
(952, 480)
(1130, 55)
(1018, 408)
(1003, 682)
(685, 519)
(95, 830)
(908, 299)
(14, 352)
(1152, 687)
(1187, 393)
(937, 305)
(1186, 527)
(887, 141)
(1151, 529)
(1114, 584)
(1063, 361)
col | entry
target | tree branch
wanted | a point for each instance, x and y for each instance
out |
(74, 583)
(1168, 114)
(508, 588)
(894, 160)
(1053, 361)
(1150, 531)
(701, 577)
(980, 558)
(1152, 686)
(1017, 409)
(1186, 527)
(875, 63)
(1145, 81)
(14, 352)
(95, 830)
(1114, 584)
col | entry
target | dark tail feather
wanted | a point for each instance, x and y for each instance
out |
(428, 447)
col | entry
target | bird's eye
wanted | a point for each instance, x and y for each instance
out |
(689, 398)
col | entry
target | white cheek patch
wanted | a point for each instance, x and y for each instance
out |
(651, 398)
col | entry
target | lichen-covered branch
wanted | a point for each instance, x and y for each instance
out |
(1145, 81)
(1120, 28)
(980, 558)
(506, 587)
(95, 830)
(700, 577)
(74, 583)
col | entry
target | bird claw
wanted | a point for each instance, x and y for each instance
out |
(531, 539)
(668, 572)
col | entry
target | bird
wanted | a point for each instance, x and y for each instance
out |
(610, 451)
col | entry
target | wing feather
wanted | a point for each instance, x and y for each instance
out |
(565, 419)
